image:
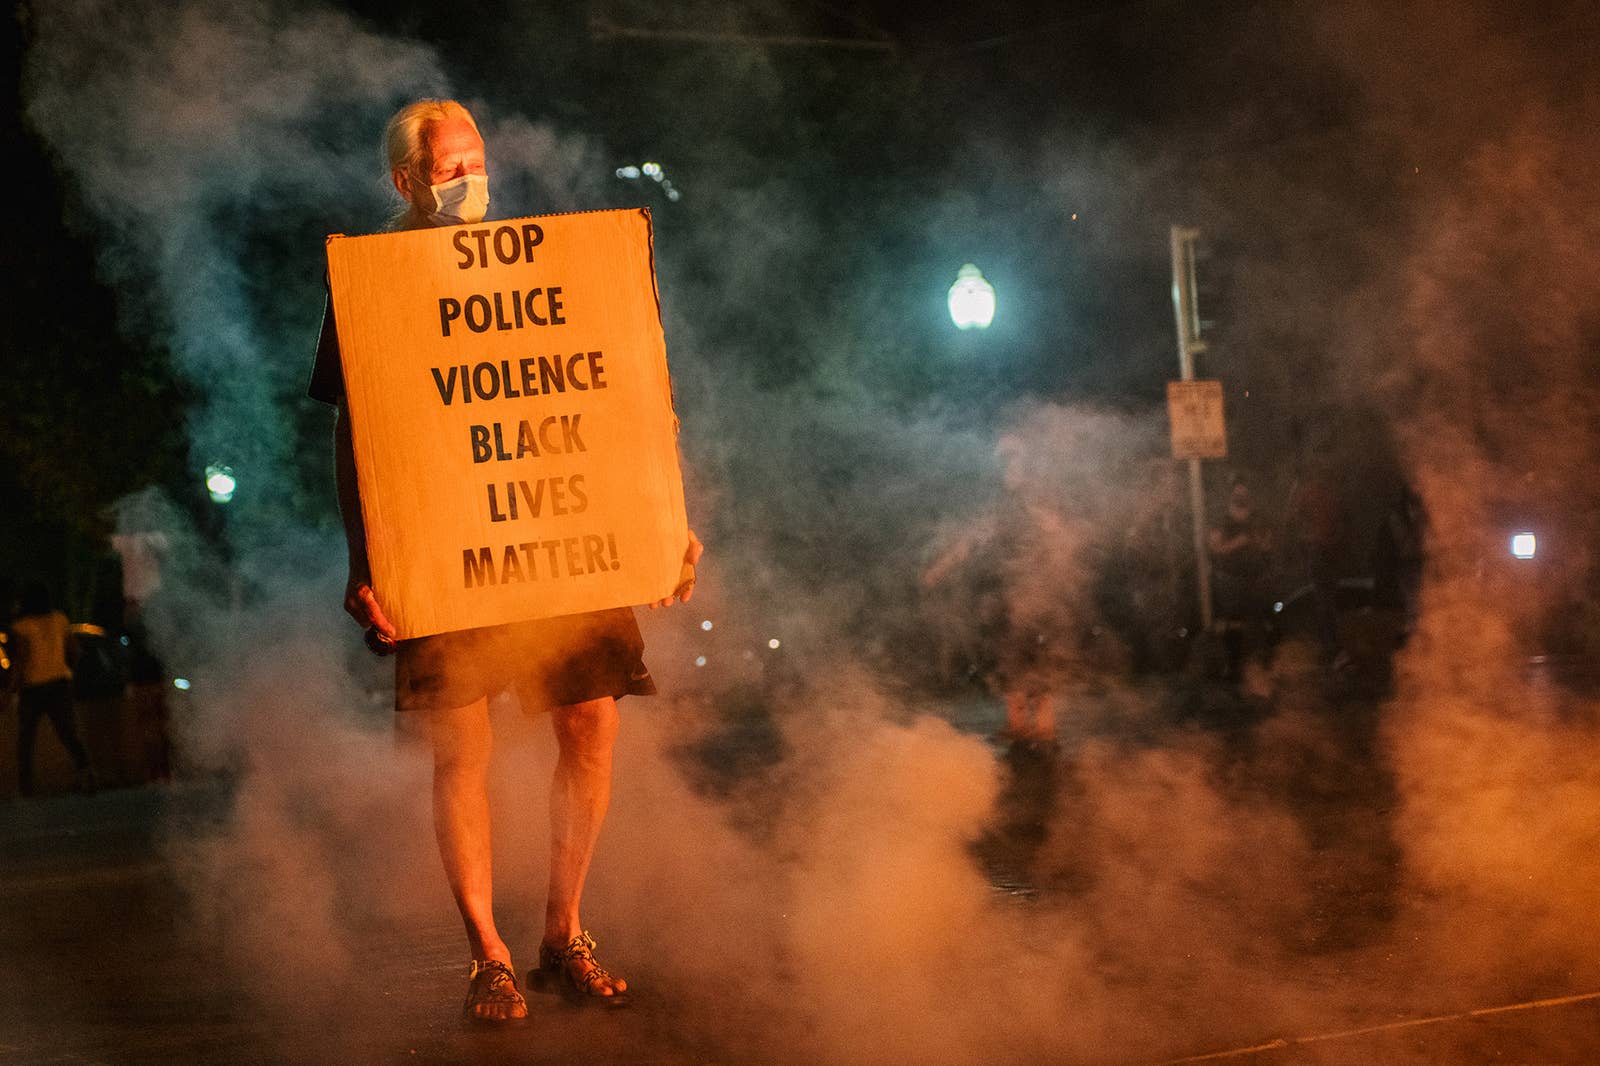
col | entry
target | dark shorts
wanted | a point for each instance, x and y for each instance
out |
(51, 698)
(550, 662)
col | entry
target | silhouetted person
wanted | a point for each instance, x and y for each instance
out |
(147, 700)
(1240, 546)
(42, 646)
(1397, 556)
(1037, 611)
(1318, 524)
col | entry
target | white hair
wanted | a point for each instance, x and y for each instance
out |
(402, 137)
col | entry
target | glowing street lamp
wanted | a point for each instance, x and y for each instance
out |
(220, 483)
(971, 299)
(1524, 545)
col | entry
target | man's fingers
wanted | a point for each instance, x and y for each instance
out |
(375, 615)
(685, 589)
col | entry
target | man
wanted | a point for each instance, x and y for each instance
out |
(576, 667)
(1240, 547)
(1034, 607)
(42, 646)
(1316, 511)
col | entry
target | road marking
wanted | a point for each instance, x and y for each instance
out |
(1367, 1030)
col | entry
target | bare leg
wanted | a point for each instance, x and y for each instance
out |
(1030, 715)
(1019, 719)
(579, 795)
(1044, 716)
(461, 744)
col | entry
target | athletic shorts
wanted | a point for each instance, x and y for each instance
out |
(550, 662)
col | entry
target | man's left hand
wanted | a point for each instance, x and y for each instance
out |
(685, 589)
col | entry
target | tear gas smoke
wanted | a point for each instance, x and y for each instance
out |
(834, 897)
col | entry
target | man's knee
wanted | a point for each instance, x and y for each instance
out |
(459, 737)
(587, 729)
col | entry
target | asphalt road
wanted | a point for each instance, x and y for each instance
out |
(99, 963)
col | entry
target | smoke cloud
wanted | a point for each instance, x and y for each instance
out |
(814, 852)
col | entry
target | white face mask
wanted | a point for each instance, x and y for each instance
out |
(460, 201)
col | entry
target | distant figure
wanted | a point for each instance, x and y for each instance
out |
(1240, 546)
(1038, 614)
(147, 700)
(1397, 556)
(1317, 519)
(43, 646)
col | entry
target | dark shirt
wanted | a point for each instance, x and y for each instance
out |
(327, 372)
(1246, 559)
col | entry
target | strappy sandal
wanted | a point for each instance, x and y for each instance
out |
(492, 983)
(557, 972)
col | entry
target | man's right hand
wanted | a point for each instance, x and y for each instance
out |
(362, 605)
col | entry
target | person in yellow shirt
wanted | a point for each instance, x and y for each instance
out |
(42, 646)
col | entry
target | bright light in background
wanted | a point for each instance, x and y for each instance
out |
(774, 643)
(1523, 545)
(971, 299)
(699, 660)
(706, 625)
(654, 172)
(220, 483)
(181, 684)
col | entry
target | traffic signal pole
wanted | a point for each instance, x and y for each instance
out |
(1189, 344)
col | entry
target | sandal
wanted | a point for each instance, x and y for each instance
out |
(492, 984)
(573, 971)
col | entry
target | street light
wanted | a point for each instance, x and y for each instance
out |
(220, 483)
(971, 299)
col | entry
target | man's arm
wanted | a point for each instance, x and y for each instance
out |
(691, 554)
(974, 536)
(685, 588)
(69, 642)
(19, 651)
(359, 602)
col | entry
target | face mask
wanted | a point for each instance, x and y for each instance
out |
(460, 201)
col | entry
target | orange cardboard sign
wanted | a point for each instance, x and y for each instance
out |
(511, 411)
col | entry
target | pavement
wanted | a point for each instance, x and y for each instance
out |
(99, 963)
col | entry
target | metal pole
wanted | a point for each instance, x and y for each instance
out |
(1189, 343)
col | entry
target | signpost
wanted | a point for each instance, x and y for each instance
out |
(511, 411)
(1194, 407)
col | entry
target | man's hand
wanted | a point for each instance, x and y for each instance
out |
(685, 589)
(362, 605)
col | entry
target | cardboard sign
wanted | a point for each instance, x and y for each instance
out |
(515, 443)
(1194, 409)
